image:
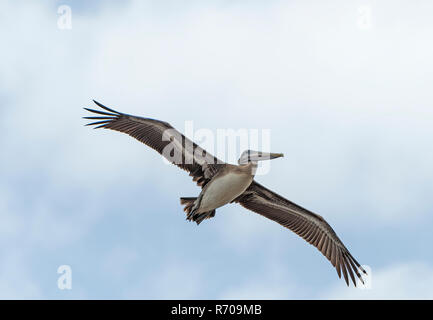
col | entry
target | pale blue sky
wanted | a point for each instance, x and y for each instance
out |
(351, 108)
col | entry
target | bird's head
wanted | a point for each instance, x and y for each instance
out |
(255, 156)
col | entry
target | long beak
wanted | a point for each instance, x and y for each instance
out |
(276, 155)
(266, 156)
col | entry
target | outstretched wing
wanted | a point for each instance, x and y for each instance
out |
(310, 226)
(162, 137)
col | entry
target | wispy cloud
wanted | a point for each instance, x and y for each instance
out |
(406, 280)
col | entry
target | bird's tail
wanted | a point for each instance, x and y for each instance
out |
(191, 213)
(189, 204)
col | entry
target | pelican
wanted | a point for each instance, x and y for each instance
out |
(224, 183)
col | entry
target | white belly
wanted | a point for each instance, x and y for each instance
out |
(224, 189)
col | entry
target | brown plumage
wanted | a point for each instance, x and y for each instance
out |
(308, 225)
(200, 164)
(204, 169)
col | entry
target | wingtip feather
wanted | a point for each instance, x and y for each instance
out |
(104, 107)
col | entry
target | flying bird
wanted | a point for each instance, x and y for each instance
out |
(224, 183)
